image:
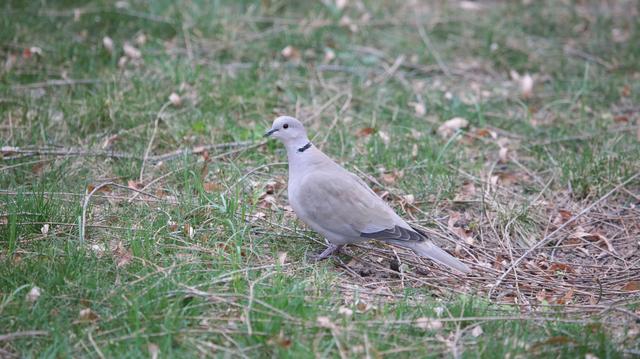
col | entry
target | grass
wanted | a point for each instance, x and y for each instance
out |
(215, 265)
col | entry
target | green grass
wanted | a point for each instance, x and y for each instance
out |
(221, 291)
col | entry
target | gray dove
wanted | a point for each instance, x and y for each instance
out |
(339, 205)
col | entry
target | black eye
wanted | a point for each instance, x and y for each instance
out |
(285, 126)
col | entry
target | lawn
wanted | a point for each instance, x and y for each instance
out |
(142, 213)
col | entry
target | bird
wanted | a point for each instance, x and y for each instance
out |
(339, 205)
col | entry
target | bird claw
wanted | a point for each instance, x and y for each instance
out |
(332, 249)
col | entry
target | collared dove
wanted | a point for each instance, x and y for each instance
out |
(339, 205)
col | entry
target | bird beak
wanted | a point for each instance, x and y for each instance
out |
(270, 132)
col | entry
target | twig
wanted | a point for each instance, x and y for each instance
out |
(153, 136)
(28, 333)
(83, 219)
(50, 83)
(550, 236)
(9, 150)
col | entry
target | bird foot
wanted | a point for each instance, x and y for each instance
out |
(332, 249)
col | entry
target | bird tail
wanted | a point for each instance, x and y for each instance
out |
(431, 251)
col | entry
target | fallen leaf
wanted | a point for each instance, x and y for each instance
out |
(632, 286)
(526, 86)
(450, 127)
(122, 255)
(566, 298)
(428, 323)
(122, 61)
(45, 229)
(107, 43)
(33, 294)
(282, 257)
(175, 99)
(87, 315)
(467, 192)
(131, 52)
(560, 267)
(391, 177)
(364, 132)
(91, 187)
(329, 55)
(291, 53)
(325, 322)
(211, 187)
(37, 168)
(135, 185)
(419, 108)
(363, 306)
(154, 350)
(347, 312)
(385, 137)
(188, 230)
(476, 331)
(503, 155)
(141, 39)
(109, 141)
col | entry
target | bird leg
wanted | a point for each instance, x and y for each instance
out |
(332, 249)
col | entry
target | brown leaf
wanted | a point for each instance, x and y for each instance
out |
(450, 127)
(291, 53)
(211, 187)
(131, 52)
(37, 168)
(391, 177)
(566, 298)
(175, 99)
(122, 255)
(87, 315)
(466, 192)
(366, 131)
(560, 267)
(188, 230)
(632, 286)
(135, 185)
(91, 187)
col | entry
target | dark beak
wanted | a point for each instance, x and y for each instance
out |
(270, 132)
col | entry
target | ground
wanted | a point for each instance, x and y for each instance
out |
(143, 214)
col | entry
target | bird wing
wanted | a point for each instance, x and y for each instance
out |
(339, 202)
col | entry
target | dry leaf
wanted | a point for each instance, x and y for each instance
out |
(503, 155)
(109, 141)
(154, 350)
(108, 44)
(329, 55)
(291, 53)
(141, 39)
(467, 192)
(325, 322)
(131, 52)
(526, 85)
(91, 187)
(33, 294)
(566, 298)
(45, 229)
(385, 137)
(476, 331)
(122, 61)
(364, 132)
(87, 315)
(632, 286)
(391, 177)
(135, 185)
(122, 255)
(175, 99)
(347, 312)
(428, 323)
(419, 108)
(450, 127)
(188, 230)
(414, 151)
(282, 257)
(211, 187)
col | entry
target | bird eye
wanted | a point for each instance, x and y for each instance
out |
(285, 126)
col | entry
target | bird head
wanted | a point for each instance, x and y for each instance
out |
(288, 130)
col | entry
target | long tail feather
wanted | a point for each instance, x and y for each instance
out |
(431, 251)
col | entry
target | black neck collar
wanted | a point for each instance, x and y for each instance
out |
(305, 147)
